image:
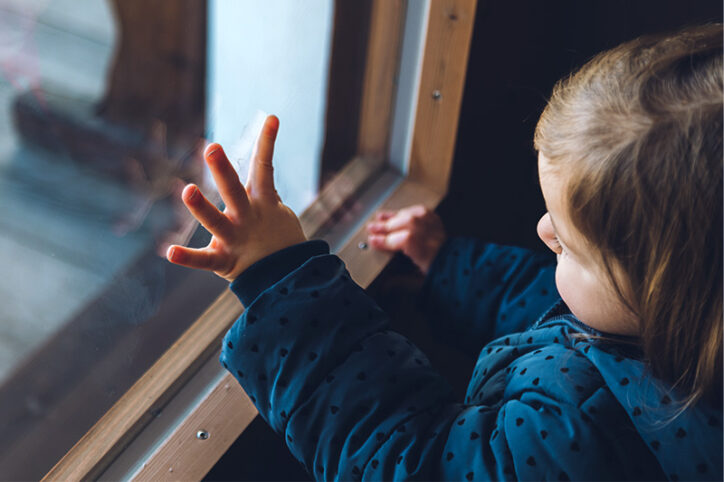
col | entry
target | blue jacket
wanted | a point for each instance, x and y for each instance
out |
(355, 400)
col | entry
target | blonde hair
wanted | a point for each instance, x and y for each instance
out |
(638, 132)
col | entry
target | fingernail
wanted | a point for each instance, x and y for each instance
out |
(211, 149)
(171, 251)
(194, 193)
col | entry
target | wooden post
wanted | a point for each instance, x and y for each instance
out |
(442, 82)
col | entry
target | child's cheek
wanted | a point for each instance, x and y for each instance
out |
(589, 299)
(563, 283)
(574, 287)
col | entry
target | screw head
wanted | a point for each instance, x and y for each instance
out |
(362, 245)
(202, 435)
(436, 94)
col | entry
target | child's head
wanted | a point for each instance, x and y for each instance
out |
(630, 159)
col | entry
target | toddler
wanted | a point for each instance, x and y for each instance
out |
(602, 364)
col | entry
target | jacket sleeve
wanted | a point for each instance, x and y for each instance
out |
(477, 291)
(353, 399)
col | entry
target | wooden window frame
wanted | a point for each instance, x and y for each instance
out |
(225, 410)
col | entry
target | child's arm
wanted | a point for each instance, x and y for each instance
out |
(354, 400)
(474, 291)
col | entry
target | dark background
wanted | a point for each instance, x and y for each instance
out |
(519, 49)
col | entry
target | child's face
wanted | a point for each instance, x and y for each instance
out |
(581, 281)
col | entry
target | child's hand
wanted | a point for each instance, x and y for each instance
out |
(415, 230)
(254, 223)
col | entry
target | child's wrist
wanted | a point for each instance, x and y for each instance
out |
(271, 269)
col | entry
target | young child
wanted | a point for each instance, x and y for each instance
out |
(604, 365)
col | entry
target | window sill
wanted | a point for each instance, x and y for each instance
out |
(226, 408)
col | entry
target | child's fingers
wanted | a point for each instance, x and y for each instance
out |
(206, 213)
(387, 221)
(195, 258)
(404, 218)
(226, 178)
(389, 242)
(384, 215)
(377, 228)
(401, 220)
(377, 241)
(261, 170)
(414, 210)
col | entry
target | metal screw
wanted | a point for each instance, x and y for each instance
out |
(436, 94)
(362, 245)
(202, 435)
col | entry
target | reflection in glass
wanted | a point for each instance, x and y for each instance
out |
(89, 178)
(105, 107)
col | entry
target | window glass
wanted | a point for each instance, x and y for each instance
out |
(272, 57)
(105, 107)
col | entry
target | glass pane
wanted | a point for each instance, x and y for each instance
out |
(304, 62)
(272, 57)
(104, 109)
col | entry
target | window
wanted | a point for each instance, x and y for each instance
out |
(385, 140)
